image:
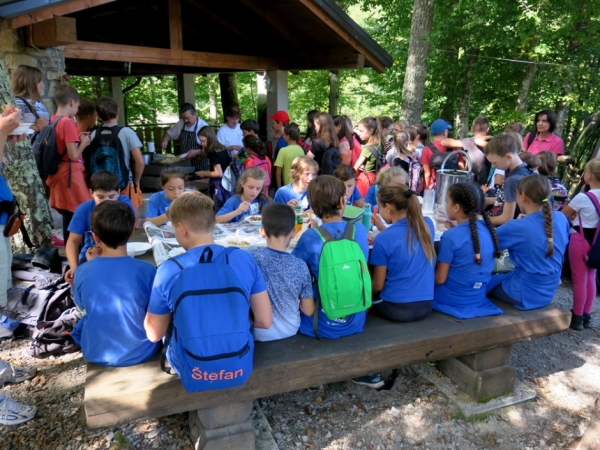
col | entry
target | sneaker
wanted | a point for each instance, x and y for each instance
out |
(13, 413)
(15, 374)
(373, 381)
(5, 332)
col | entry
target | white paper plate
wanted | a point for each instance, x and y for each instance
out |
(176, 252)
(21, 129)
(137, 248)
(257, 223)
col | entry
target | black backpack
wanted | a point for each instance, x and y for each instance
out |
(106, 153)
(331, 161)
(437, 159)
(45, 152)
(379, 157)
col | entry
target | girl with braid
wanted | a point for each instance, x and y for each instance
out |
(466, 256)
(536, 245)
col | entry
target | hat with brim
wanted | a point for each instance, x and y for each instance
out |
(439, 126)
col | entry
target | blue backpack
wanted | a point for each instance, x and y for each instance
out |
(211, 337)
(107, 153)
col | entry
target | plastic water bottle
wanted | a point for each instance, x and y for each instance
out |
(366, 218)
(299, 218)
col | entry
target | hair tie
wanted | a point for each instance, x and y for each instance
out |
(545, 200)
(550, 240)
(409, 193)
(477, 256)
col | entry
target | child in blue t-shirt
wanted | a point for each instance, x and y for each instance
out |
(326, 195)
(303, 171)
(104, 185)
(111, 331)
(466, 256)
(346, 174)
(249, 199)
(193, 220)
(172, 182)
(536, 245)
(395, 174)
(287, 277)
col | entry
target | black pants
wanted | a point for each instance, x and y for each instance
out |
(402, 312)
(67, 216)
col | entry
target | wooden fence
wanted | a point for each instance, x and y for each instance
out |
(155, 133)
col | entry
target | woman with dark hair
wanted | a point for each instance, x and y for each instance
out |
(311, 131)
(346, 139)
(544, 138)
(230, 134)
(324, 149)
(219, 159)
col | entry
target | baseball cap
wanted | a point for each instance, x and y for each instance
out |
(280, 116)
(439, 126)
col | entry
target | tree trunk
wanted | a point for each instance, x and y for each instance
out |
(212, 99)
(229, 95)
(261, 106)
(416, 65)
(590, 440)
(562, 111)
(462, 117)
(97, 87)
(524, 89)
(23, 178)
(334, 92)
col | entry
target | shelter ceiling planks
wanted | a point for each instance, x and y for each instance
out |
(58, 10)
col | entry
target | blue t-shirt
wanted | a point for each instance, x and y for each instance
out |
(354, 197)
(463, 295)
(281, 142)
(309, 249)
(371, 197)
(286, 193)
(288, 280)
(81, 223)
(5, 195)
(161, 300)
(535, 278)
(410, 275)
(111, 333)
(234, 203)
(157, 204)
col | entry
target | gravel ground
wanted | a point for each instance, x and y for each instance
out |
(564, 370)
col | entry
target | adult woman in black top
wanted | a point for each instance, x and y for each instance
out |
(324, 149)
(219, 159)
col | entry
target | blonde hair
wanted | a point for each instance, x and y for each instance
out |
(194, 209)
(24, 81)
(403, 199)
(385, 176)
(593, 167)
(301, 164)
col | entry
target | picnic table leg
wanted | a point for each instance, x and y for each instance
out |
(484, 375)
(223, 427)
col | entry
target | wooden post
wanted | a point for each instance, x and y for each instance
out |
(116, 88)
(185, 88)
(223, 427)
(175, 25)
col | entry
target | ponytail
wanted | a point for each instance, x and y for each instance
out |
(256, 145)
(373, 124)
(403, 198)
(537, 189)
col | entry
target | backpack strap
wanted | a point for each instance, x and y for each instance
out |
(531, 138)
(433, 148)
(350, 231)
(324, 234)
(29, 107)
(594, 200)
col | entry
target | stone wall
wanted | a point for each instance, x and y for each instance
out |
(51, 62)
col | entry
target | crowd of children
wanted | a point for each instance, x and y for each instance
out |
(271, 293)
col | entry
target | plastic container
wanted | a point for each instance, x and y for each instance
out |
(299, 218)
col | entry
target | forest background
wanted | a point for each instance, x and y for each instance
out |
(505, 59)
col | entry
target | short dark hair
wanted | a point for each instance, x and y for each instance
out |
(87, 107)
(233, 111)
(187, 107)
(107, 108)
(551, 118)
(113, 222)
(345, 172)
(278, 219)
(292, 131)
(502, 144)
(250, 125)
(324, 194)
(481, 124)
(386, 121)
(169, 173)
(423, 132)
(104, 180)
(64, 93)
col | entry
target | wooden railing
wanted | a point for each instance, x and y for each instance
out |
(154, 133)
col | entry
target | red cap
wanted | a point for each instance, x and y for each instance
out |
(280, 116)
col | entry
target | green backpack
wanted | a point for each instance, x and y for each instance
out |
(344, 283)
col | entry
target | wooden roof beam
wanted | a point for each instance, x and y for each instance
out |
(175, 30)
(333, 62)
(147, 55)
(58, 10)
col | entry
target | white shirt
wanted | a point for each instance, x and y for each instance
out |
(585, 208)
(496, 173)
(230, 136)
(180, 126)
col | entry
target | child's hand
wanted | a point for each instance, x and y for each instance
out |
(379, 222)
(84, 140)
(293, 202)
(485, 188)
(244, 206)
(70, 276)
(92, 252)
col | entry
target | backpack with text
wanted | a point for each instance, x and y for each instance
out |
(106, 153)
(437, 159)
(45, 152)
(344, 283)
(379, 155)
(232, 173)
(211, 337)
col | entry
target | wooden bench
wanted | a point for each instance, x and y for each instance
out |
(220, 419)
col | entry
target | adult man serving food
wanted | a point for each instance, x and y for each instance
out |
(186, 130)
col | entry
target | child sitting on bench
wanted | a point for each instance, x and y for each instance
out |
(113, 291)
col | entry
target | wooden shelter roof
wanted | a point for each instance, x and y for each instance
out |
(152, 37)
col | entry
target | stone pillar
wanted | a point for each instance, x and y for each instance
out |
(277, 94)
(50, 61)
(185, 89)
(484, 375)
(223, 427)
(116, 88)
